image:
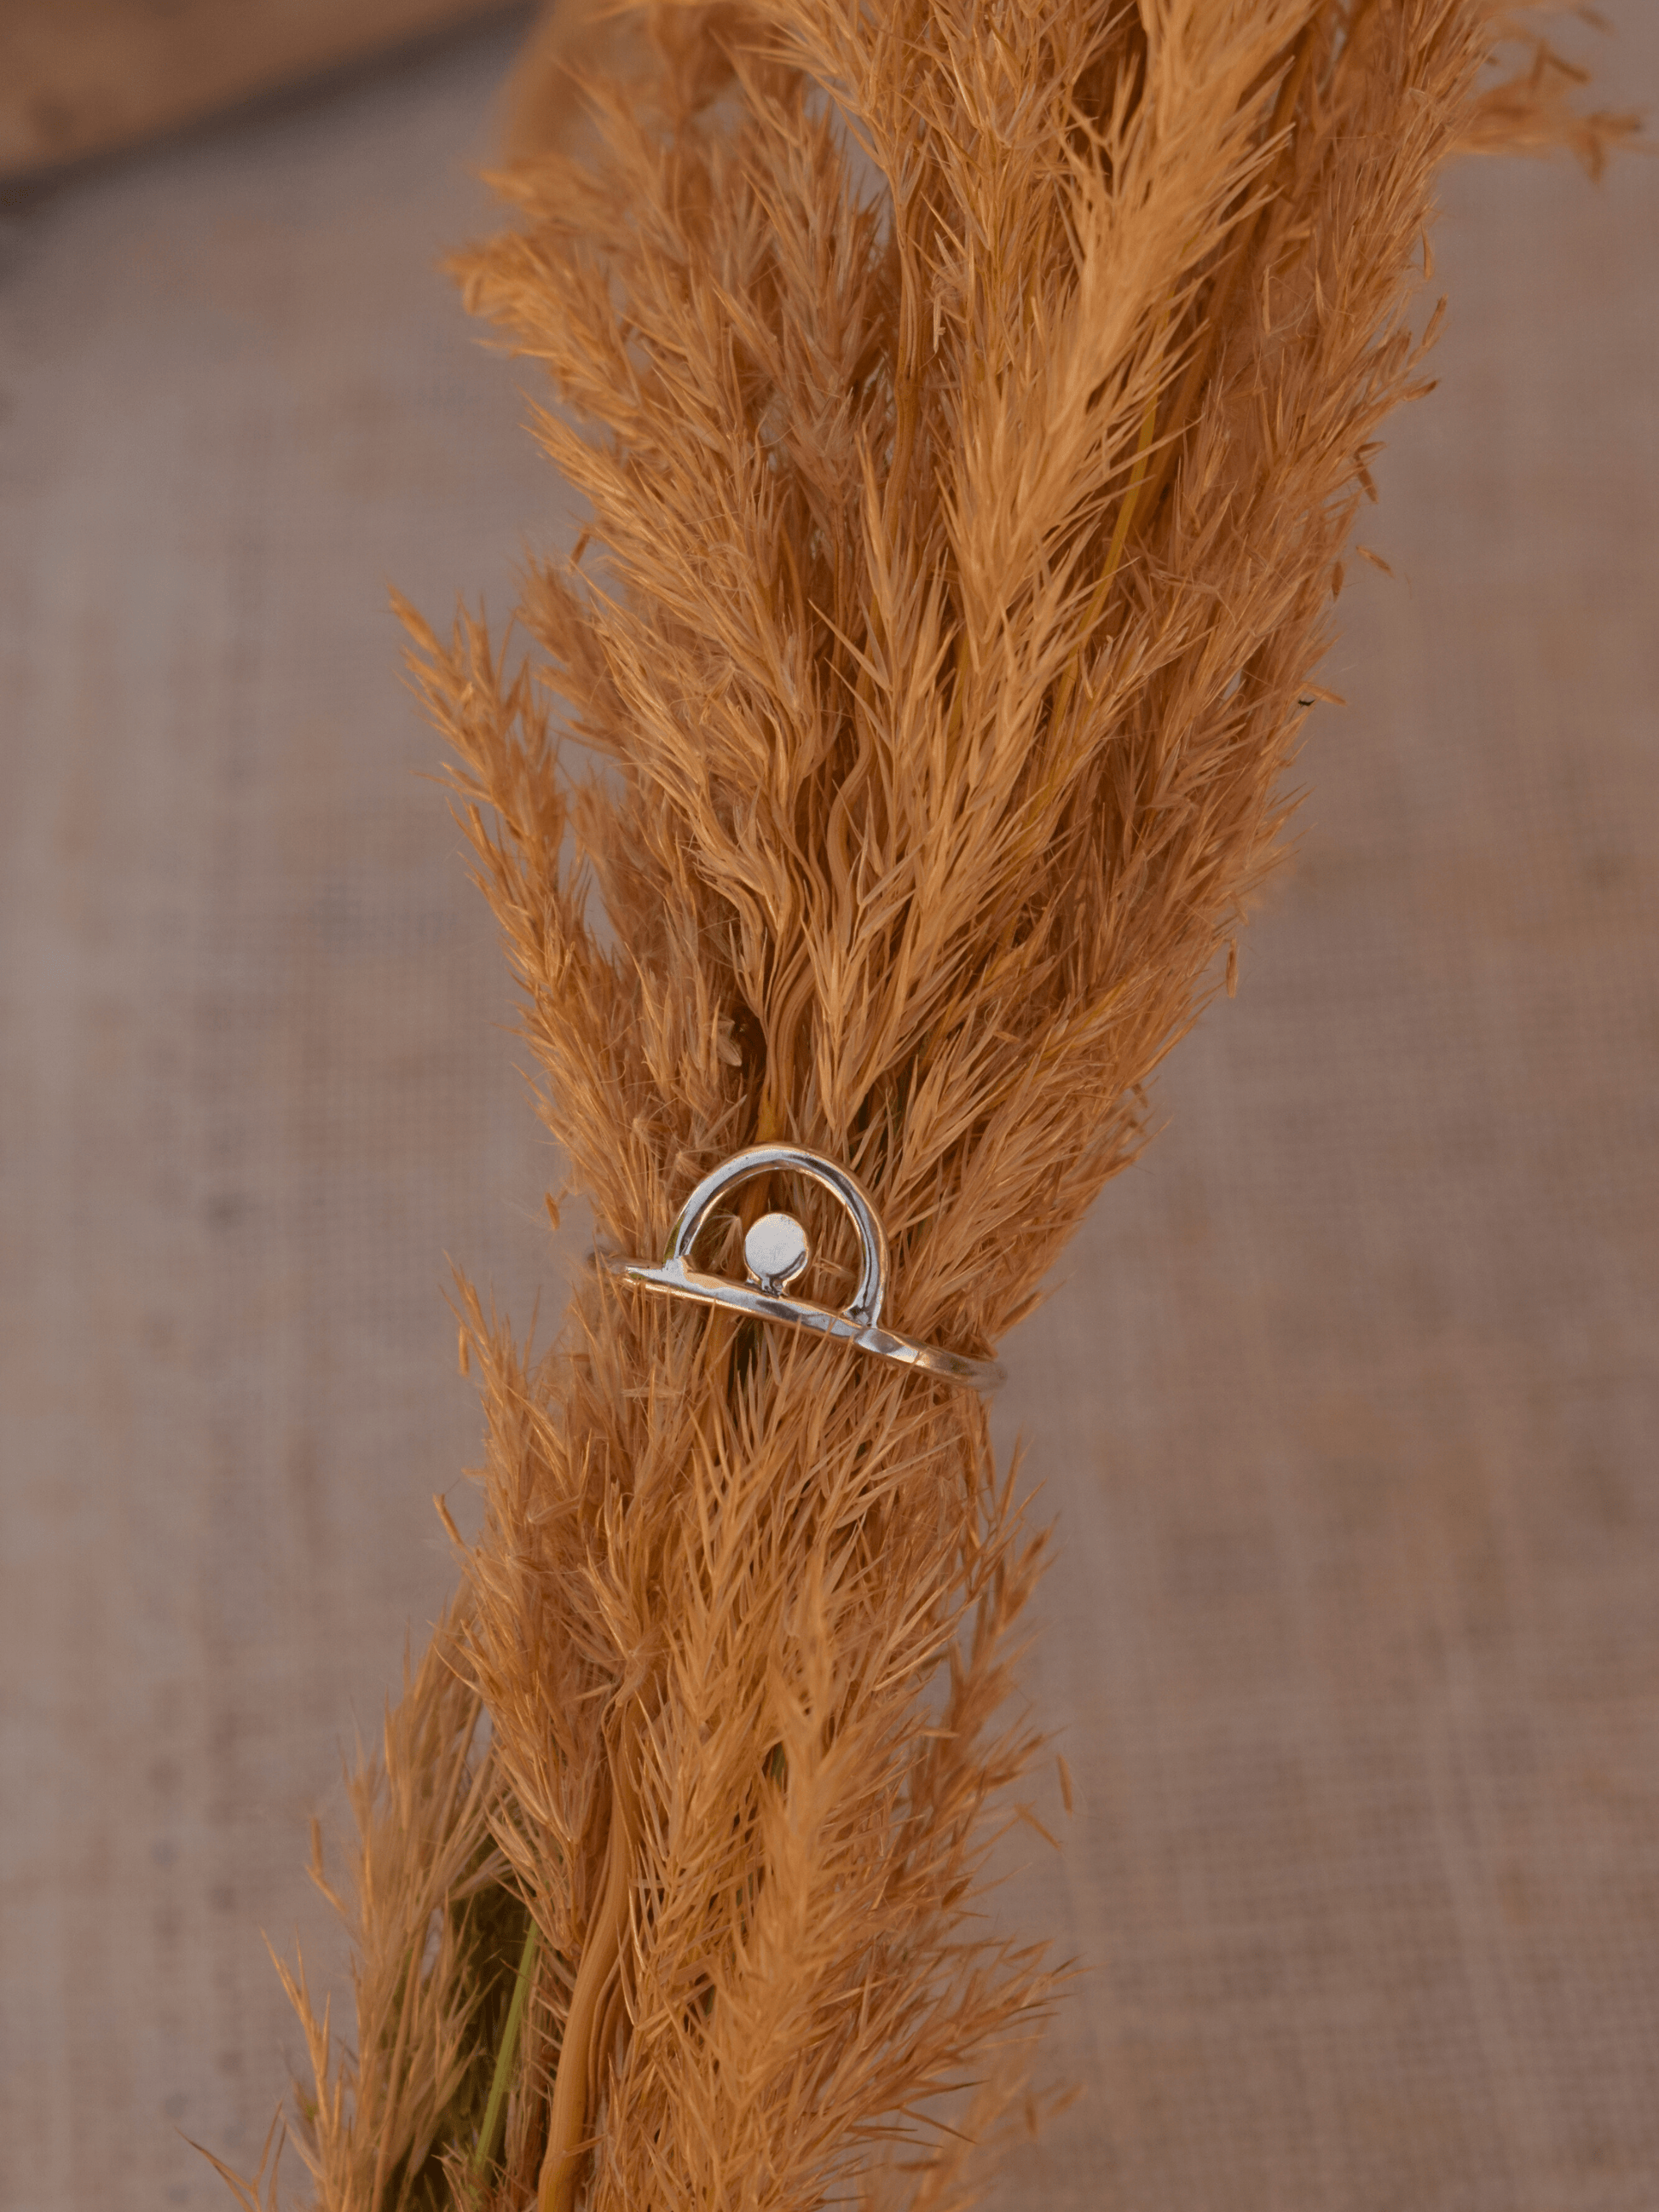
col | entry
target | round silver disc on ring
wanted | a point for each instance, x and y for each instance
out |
(776, 1252)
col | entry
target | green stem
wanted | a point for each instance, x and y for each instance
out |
(483, 2153)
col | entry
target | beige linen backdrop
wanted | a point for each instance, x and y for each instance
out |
(1346, 1401)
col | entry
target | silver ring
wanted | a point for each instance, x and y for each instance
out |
(776, 1252)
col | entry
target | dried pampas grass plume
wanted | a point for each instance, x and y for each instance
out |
(972, 405)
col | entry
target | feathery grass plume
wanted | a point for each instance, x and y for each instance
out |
(972, 403)
(437, 1939)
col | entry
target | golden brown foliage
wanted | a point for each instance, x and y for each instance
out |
(972, 402)
(435, 1936)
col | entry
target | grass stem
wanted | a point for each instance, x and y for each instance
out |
(484, 2154)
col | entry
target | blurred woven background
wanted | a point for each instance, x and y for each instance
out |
(1347, 1404)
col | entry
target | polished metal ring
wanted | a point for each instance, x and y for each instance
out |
(776, 1253)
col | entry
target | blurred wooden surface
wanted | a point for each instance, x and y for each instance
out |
(79, 77)
(1348, 1399)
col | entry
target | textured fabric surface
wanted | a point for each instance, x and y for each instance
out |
(1345, 1401)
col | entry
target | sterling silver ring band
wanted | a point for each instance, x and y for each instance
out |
(776, 1252)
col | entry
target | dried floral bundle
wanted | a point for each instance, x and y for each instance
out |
(972, 402)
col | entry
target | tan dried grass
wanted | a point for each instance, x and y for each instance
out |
(972, 404)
